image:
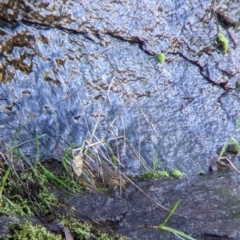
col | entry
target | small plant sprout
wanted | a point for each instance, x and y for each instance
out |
(222, 40)
(231, 140)
(155, 163)
(154, 173)
(160, 57)
(224, 160)
(236, 146)
(238, 85)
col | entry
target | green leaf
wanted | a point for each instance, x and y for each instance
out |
(160, 57)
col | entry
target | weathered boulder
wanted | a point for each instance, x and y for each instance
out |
(72, 67)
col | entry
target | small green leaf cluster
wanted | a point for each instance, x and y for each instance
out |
(223, 42)
(160, 57)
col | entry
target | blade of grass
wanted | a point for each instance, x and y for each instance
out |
(29, 140)
(16, 136)
(172, 212)
(29, 163)
(4, 179)
(52, 176)
(223, 150)
(17, 208)
(237, 125)
(57, 181)
(176, 232)
(37, 147)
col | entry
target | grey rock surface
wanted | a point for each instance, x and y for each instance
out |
(69, 67)
(209, 208)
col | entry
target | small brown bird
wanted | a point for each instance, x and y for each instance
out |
(111, 178)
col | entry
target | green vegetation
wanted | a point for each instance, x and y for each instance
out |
(30, 189)
(27, 189)
(85, 231)
(78, 230)
(4, 179)
(238, 85)
(29, 232)
(160, 57)
(176, 173)
(155, 175)
(222, 40)
(179, 234)
(231, 141)
(231, 145)
(67, 156)
(27, 195)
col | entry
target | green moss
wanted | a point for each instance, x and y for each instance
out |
(17, 205)
(71, 183)
(46, 200)
(12, 202)
(154, 175)
(27, 231)
(78, 230)
(8, 208)
(17, 196)
(160, 57)
(105, 236)
(81, 231)
(223, 42)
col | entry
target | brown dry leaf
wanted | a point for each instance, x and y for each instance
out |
(77, 165)
(213, 164)
(2, 168)
(68, 235)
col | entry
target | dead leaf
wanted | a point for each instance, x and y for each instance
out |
(68, 235)
(58, 227)
(77, 165)
(213, 164)
(2, 168)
